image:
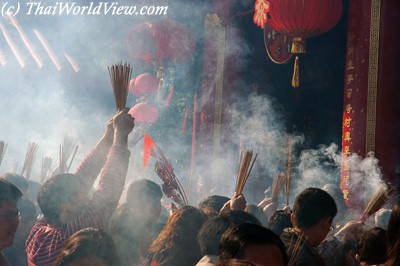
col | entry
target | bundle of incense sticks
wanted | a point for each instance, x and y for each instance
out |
(3, 148)
(46, 168)
(377, 201)
(172, 188)
(29, 159)
(288, 171)
(296, 249)
(277, 185)
(120, 75)
(65, 152)
(72, 159)
(246, 163)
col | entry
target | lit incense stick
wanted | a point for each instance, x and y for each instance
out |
(3, 148)
(14, 49)
(169, 96)
(194, 129)
(288, 174)
(72, 62)
(3, 59)
(183, 129)
(49, 50)
(25, 39)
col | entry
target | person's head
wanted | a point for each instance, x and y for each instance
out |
(213, 204)
(253, 243)
(132, 233)
(257, 212)
(9, 214)
(393, 240)
(279, 221)
(313, 213)
(61, 197)
(88, 246)
(349, 247)
(212, 230)
(337, 194)
(240, 217)
(17, 180)
(210, 234)
(145, 195)
(372, 246)
(181, 232)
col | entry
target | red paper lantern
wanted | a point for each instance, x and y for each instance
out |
(303, 19)
(157, 41)
(144, 113)
(132, 87)
(144, 84)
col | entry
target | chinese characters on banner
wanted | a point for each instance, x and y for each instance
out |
(347, 129)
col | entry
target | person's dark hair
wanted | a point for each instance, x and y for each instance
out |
(240, 217)
(213, 204)
(9, 192)
(180, 232)
(393, 239)
(210, 234)
(338, 196)
(258, 213)
(143, 192)
(311, 206)
(372, 246)
(235, 239)
(279, 221)
(235, 262)
(17, 180)
(88, 243)
(56, 191)
(130, 231)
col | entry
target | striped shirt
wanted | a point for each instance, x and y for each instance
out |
(44, 243)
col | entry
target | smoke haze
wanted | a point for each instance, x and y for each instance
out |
(44, 104)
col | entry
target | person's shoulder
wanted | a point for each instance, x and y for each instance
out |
(39, 227)
(310, 256)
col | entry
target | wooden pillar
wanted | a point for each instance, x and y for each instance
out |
(212, 91)
(218, 74)
(371, 94)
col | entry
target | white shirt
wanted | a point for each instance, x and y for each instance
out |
(208, 260)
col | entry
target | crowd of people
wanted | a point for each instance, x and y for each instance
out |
(68, 222)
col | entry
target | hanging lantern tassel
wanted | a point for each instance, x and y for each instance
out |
(296, 75)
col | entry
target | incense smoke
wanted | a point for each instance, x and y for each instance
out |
(43, 105)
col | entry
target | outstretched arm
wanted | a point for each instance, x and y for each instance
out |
(91, 166)
(112, 178)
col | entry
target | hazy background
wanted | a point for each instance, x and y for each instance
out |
(45, 104)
